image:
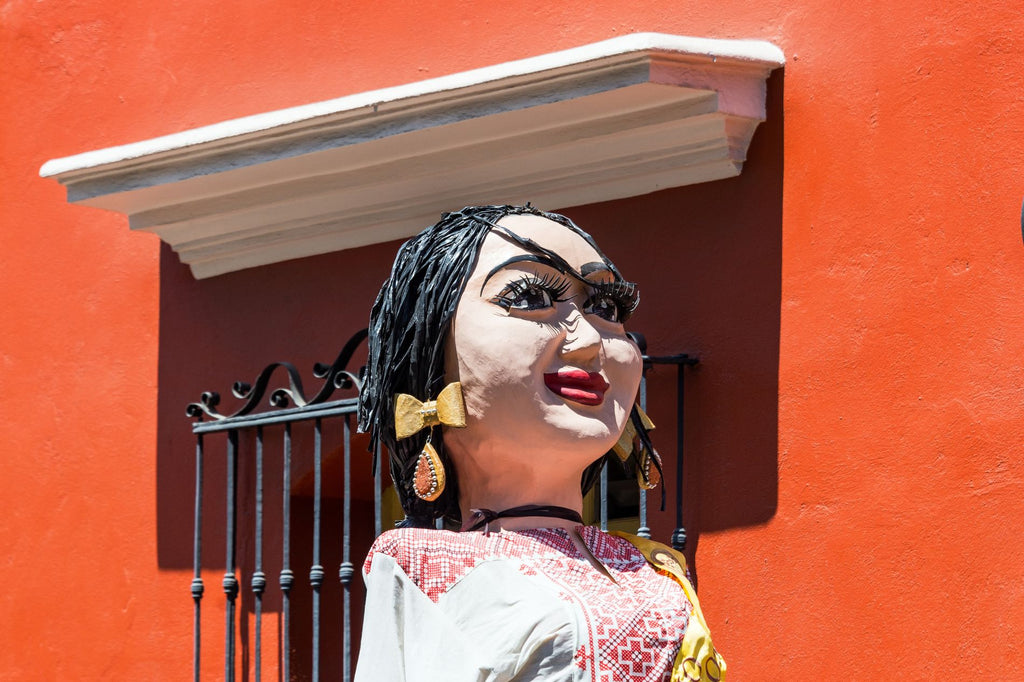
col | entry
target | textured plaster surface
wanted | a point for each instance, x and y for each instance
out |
(869, 342)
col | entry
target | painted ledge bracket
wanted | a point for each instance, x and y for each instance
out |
(609, 120)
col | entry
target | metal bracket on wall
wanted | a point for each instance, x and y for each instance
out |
(681, 361)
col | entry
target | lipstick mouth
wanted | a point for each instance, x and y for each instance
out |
(586, 388)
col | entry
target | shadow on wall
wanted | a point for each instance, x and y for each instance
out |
(708, 261)
(218, 331)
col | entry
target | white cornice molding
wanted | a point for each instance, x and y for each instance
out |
(619, 118)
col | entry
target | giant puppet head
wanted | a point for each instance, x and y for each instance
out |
(523, 310)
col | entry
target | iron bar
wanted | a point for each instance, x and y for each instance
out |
(259, 579)
(643, 530)
(316, 571)
(287, 579)
(604, 497)
(197, 545)
(285, 416)
(346, 570)
(681, 361)
(679, 534)
(230, 582)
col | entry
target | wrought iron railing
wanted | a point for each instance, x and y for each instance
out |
(249, 425)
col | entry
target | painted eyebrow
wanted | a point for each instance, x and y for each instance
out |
(588, 269)
(528, 258)
(539, 254)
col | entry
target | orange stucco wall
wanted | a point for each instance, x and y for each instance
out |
(857, 493)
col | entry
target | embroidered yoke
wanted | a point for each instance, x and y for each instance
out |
(519, 605)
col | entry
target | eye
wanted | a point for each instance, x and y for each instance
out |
(614, 301)
(532, 293)
(528, 297)
(603, 306)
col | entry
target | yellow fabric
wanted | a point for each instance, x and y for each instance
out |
(697, 660)
(644, 419)
(411, 415)
(624, 446)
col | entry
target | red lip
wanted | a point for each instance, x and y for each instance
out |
(578, 386)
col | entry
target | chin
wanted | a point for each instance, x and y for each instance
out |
(579, 431)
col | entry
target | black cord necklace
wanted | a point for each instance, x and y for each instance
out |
(482, 517)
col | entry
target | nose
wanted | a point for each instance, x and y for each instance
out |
(582, 340)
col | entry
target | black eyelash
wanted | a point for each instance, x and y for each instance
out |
(554, 285)
(626, 296)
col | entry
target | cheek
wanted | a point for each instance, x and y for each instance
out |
(624, 366)
(492, 351)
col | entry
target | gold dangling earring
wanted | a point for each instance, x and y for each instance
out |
(648, 470)
(648, 476)
(429, 480)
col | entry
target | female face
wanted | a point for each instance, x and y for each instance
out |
(546, 368)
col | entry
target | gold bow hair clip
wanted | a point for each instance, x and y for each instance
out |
(411, 415)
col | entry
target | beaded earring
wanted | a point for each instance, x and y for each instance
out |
(428, 484)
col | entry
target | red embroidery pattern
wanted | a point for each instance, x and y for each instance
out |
(633, 627)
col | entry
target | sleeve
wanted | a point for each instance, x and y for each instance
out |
(407, 637)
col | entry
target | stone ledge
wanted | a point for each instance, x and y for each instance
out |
(614, 119)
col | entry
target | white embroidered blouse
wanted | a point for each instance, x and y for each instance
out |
(516, 605)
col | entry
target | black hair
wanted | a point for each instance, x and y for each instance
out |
(409, 327)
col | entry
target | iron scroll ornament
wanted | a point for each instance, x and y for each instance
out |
(336, 376)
